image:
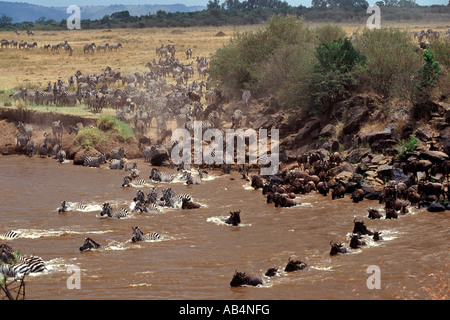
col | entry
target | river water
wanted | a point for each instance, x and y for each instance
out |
(198, 253)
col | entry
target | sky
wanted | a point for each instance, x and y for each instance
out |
(64, 3)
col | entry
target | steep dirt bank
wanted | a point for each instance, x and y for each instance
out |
(41, 124)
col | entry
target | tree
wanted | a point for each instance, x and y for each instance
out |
(213, 5)
(5, 20)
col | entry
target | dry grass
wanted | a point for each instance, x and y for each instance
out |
(33, 68)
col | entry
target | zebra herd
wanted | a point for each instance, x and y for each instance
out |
(429, 34)
(51, 145)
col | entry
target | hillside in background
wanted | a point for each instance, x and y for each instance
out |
(21, 12)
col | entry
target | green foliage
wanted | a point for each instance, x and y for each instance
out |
(332, 79)
(391, 62)
(122, 131)
(405, 146)
(428, 76)
(89, 138)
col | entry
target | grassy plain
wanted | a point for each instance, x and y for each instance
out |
(36, 67)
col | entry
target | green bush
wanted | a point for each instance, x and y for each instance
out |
(89, 138)
(122, 131)
(427, 77)
(405, 146)
(332, 79)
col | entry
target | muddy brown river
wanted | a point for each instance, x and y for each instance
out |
(198, 253)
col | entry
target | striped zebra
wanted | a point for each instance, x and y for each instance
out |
(27, 265)
(138, 235)
(94, 161)
(111, 213)
(10, 235)
(116, 164)
(159, 176)
(89, 244)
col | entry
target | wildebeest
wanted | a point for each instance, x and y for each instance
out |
(337, 248)
(391, 213)
(338, 192)
(294, 265)
(271, 272)
(89, 244)
(360, 227)
(63, 207)
(188, 204)
(374, 214)
(355, 241)
(357, 195)
(242, 279)
(323, 188)
(377, 236)
(234, 218)
(257, 182)
(431, 188)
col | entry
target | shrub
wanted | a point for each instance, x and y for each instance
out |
(428, 76)
(332, 78)
(391, 62)
(121, 131)
(405, 146)
(88, 138)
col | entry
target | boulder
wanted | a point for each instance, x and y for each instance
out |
(434, 156)
(349, 168)
(327, 131)
(306, 130)
(384, 171)
(436, 207)
(355, 118)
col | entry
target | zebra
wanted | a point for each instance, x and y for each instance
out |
(158, 176)
(117, 154)
(57, 129)
(192, 178)
(77, 207)
(89, 244)
(21, 140)
(31, 148)
(10, 235)
(26, 130)
(116, 164)
(26, 265)
(138, 235)
(131, 166)
(60, 154)
(108, 210)
(94, 161)
(236, 119)
(246, 97)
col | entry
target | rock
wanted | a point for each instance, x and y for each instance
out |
(261, 121)
(357, 154)
(424, 134)
(384, 171)
(375, 137)
(434, 156)
(376, 159)
(436, 207)
(306, 130)
(355, 118)
(447, 146)
(327, 131)
(342, 168)
(158, 155)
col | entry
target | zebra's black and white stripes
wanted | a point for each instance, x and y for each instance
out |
(138, 235)
(94, 161)
(113, 213)
(10, 235)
